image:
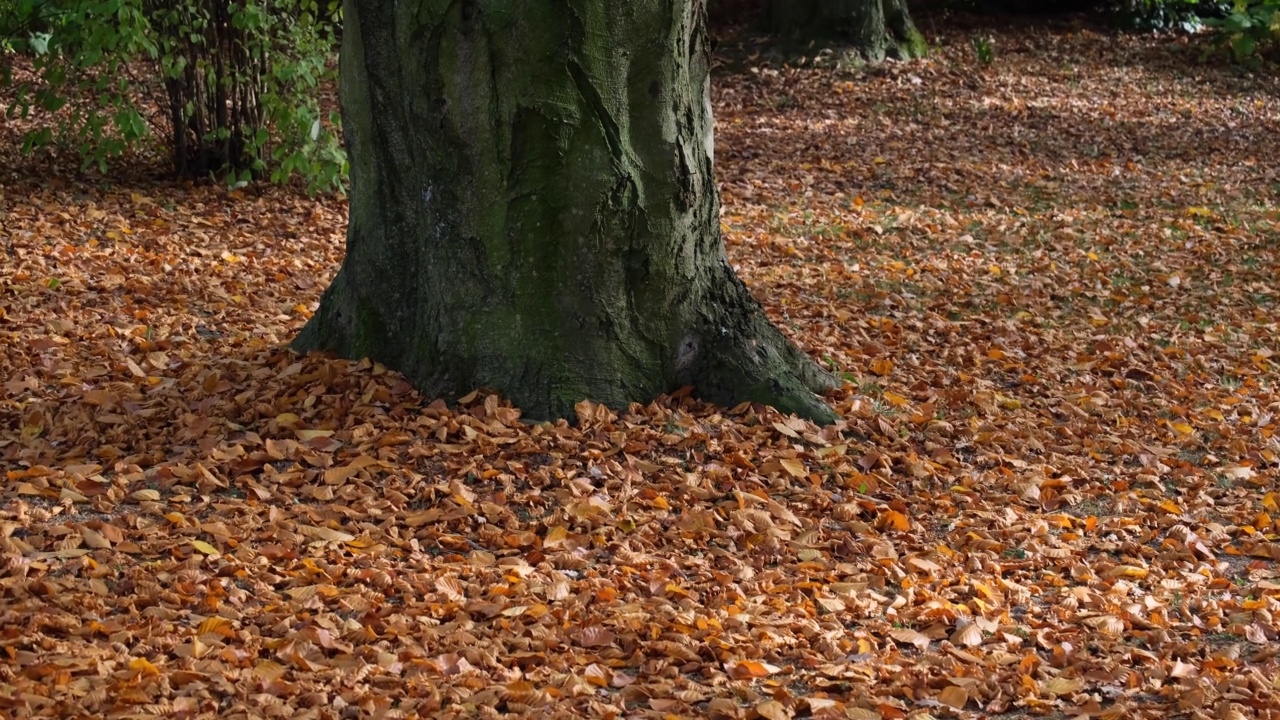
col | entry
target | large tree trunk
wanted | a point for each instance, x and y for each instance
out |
(875, 28)
(533, 209)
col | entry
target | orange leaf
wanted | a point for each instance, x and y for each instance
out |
(143, 666)
(748, 669)
(895, 520)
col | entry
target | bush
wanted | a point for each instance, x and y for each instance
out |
(236, 82)
(1249, 29)
(1141, 15)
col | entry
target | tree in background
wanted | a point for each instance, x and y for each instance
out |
(235, 82)
(533, 210)
(877, 29)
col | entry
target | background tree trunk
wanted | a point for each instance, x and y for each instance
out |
(533, 209)
(876, 28)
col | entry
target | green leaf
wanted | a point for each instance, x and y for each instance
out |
(1244, 46)
(39, 43)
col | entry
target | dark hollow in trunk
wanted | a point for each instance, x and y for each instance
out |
(877, 29)
(533, 210)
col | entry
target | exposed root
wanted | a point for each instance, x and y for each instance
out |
(757, 363)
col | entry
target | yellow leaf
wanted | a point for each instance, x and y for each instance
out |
(1182, 428)
(216, 625)
(882, 367)
(895, 399)
(204, 547)
(143, 666)
(1271, 501)
(1008, 403)
(794, 467)
(1128, 571)
(555, 536)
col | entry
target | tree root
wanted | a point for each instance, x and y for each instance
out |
(747, 358)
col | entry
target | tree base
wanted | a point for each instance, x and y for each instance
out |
(731, 354)
(874, 29)
(533, 210)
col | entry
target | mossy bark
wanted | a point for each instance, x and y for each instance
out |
(877, 29)
(533, 209)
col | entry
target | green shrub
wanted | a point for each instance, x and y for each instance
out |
(235, 83)
(1251, 28)
(984, 48)
(1141, 15)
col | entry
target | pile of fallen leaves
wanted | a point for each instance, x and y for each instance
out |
(1051, 284)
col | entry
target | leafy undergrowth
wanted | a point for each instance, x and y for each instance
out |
(1051, 283)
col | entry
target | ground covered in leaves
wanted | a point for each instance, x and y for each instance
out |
(1051, 284)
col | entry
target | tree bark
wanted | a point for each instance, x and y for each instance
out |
(875, 28)
(533, 210)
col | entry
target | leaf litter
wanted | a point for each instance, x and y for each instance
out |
(1050, 284)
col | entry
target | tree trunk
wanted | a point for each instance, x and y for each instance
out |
(876, 28)
(533, 210)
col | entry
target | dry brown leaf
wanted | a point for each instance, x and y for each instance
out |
(326, 534)
(911, 637)
(94, 539)
(595, 636)
(967, 635)
(793, 467)
(773, 710)
(1062, 686)
(954, 697)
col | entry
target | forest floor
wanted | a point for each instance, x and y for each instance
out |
(1051, 282)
